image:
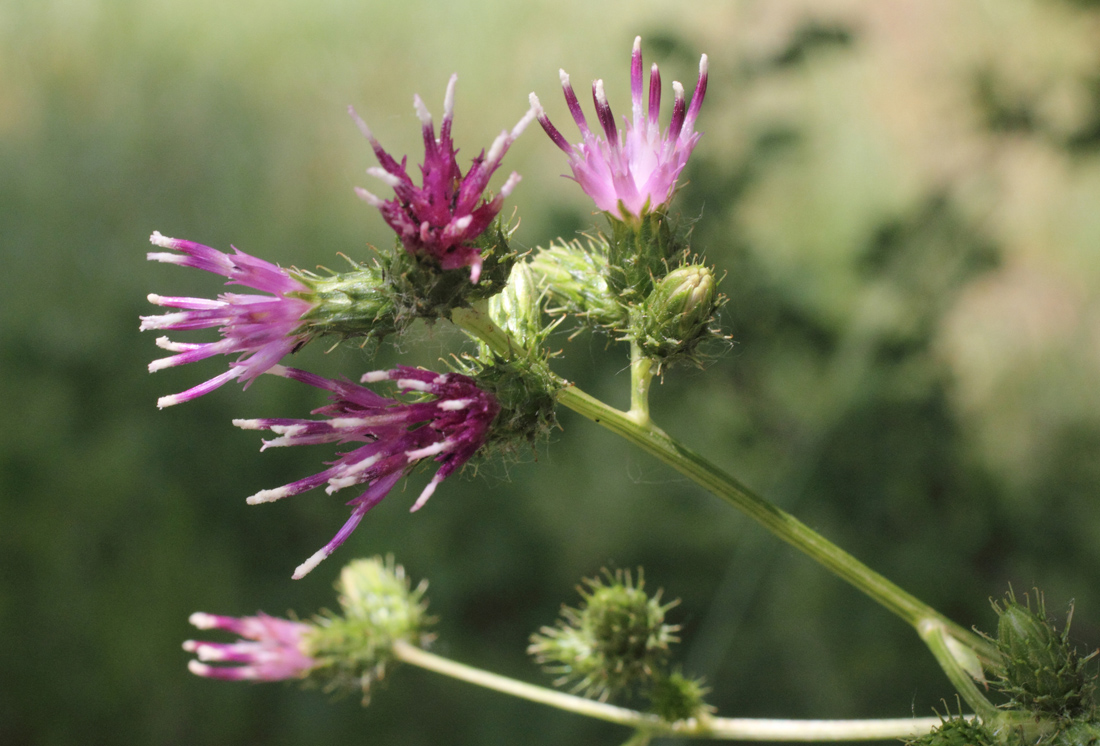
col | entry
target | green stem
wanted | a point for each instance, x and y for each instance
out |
(641, 376)
(740, 729)
(656, 442)
(939, 641)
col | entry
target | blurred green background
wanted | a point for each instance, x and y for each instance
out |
(904, 196)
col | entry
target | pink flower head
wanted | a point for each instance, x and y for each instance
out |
(263, 328)
(442, 218)
(271, 649)
(450, 427)
(632, 171)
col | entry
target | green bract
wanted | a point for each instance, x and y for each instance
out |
(380, 607)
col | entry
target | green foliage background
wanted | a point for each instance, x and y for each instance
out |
(904, 196)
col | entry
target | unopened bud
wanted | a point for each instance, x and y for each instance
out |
(677, 312)
(518, 308)
(616, 640)
(1039, 668)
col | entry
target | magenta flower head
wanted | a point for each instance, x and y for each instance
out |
(271, 649)
(444, 216)
(449, 424)
(633, 171)
(261, 328)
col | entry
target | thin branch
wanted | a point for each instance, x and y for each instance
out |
(735, 729)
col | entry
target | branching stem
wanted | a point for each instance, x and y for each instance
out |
(642, 432)
(739, 729)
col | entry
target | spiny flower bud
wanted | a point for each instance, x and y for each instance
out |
(675, 697)
(958, 731)
(380, 607)
(575, 278)
(677, 312)
(1039, 669)
(615, 641)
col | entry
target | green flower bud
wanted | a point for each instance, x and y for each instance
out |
(1039, 669)
(615, 641)
(379, 608)
(518, 308)
(675, 697)
(575, 279)
(358, 303)
(676, 314)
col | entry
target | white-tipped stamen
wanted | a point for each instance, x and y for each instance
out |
(361, 125)
(536, 105)
(157, 256)
(453, 405)
(601, 97)
(305, 568)
(678, 90)
(267, 496)
(521, 125)
(369, 198)
(201, 619)
(159, 240)
(462, 223)
(496, 150)
(564, 78)
(206, 652)
(432, 450)
(384, 176)
(413, 385)
(422, 112)
(199, 669)
(510, 184)
(704, 65)
(249, 424)
(162, 363)
(375, 376)
(449, 98)
(441, 379)
(168, 401)
(428, 492)
(166, 344)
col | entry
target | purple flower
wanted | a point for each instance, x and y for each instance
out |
(450, 427)
(271, 649)
(442, 218)
(632, 172)
(263, 328)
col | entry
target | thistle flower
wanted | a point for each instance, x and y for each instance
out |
(443, 217)
(450, 428)
(631, 172)
(262, 328)
(272, 649)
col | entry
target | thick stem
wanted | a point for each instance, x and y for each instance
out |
(739, 729)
